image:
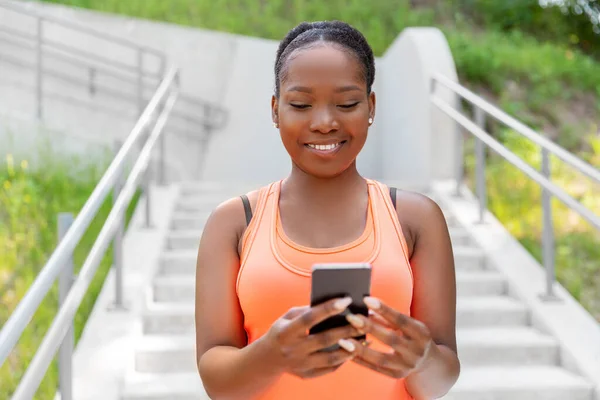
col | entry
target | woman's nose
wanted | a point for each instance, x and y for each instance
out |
(324, 121)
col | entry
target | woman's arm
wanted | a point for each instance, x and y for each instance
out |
(434, 296)
(229, 369)
(424, 343)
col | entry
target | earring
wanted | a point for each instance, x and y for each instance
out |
(370, 121)
(276, 125)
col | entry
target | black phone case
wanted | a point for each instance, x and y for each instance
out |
(340, 280)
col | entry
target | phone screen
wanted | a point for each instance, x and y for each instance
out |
(331, 281)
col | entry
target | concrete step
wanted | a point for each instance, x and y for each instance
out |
(475, 283)
(188, 239)
(195, 221)
(194, 204)
(175, 386)
(519, 383)
(165, 354)
(201, 188)
(490, 311)
(500, 311)
(477, 347)
(183, 240)
(183, 261)
(506, 346)
(460, 237)
(468, 258)
(181, 288)
(201, 204)
(181, 221)
(168, 318)
(174, 289)
(180, 262)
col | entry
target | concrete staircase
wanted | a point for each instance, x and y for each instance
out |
(503, 357)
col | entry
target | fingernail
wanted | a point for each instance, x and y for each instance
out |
(342, 304)
(355, 321)
(346, 345)
(372, 303)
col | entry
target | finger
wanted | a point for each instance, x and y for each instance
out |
(388, 336)
(316, 314)
(381, 362)
(295, 311)
(328, 359)
(391, 373)
(379, 320)
(411, 328)
(409, 350)
(328, 338)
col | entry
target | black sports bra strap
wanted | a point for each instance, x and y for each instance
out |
(393, 191)
(247, 208)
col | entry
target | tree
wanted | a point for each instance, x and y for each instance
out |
(590, 7)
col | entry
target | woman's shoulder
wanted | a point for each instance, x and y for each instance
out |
(417, 213)
(232, 215)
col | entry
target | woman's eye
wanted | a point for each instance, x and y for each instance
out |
(300, 106)
(349, 105)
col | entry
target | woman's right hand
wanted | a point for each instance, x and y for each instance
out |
(293, 350)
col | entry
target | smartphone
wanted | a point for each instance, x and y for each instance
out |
(329, 281)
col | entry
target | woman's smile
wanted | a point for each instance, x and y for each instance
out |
(325, 149)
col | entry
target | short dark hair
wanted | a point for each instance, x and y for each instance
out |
(336, 32)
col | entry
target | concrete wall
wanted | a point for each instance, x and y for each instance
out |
(417, 139)
(408, 142)
(204, 59)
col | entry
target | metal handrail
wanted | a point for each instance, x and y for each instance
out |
(519, 127)
(60, 47)
(215, 116)
(27, 10)
(19, 319)
(543, 178)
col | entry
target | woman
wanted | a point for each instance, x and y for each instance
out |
(253, 269)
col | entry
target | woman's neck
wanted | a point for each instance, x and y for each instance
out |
(304, 187)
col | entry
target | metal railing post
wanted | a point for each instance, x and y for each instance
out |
(140, 81)
(480, 182)
(92, 86)
(148, 194)
(161, 160)
(547, 231)
(458, 151)
(65, 280)
(118, 239)
(38, 72)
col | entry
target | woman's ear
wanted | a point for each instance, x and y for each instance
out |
(275, 111)
(372, 103)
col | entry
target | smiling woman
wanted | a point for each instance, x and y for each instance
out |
(256, 252)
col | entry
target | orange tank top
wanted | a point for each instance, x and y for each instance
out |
(275, 275)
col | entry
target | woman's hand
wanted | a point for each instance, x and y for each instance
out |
(291, 349)
(409, 340)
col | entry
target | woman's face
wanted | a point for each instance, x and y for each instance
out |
(323, 110)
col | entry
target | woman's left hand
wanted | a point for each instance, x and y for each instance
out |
(409, 340)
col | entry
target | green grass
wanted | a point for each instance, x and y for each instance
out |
(30, 200)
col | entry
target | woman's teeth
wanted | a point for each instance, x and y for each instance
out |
(323, 146)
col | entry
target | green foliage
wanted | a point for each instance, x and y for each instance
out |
(30, 200)
(380, 20)
(493, 58)
(516, 201)
(550, 23)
